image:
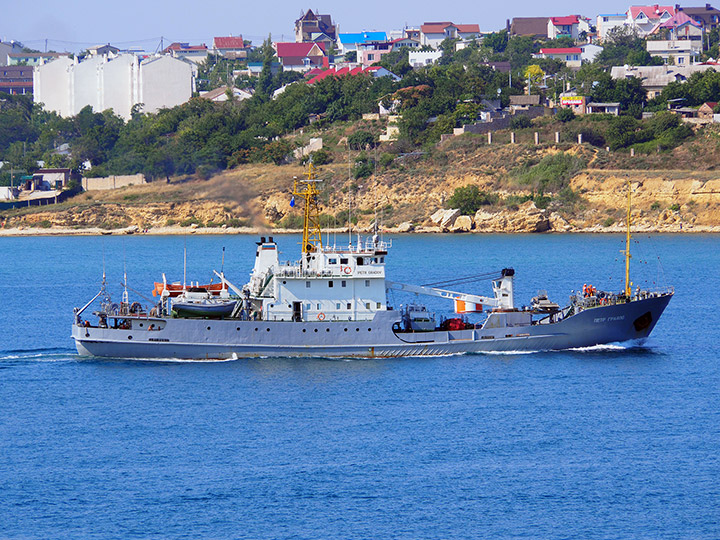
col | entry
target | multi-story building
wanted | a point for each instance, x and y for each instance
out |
(16, 80)
(314, 27)
(65, 85)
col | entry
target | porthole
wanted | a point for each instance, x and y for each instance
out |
(327, 329)
(256, 329)
(141, 325)
(316, 330)
(304, 330)
(284, 282)
(208, 328)
(238, 329)
(345, 329)
(129, 337)
(357, 329)
(369, 329)
(267, 329)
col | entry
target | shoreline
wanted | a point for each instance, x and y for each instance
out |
(179, 231)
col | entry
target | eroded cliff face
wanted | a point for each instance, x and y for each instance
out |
(663, 201)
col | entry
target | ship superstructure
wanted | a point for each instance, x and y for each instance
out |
(333, 301)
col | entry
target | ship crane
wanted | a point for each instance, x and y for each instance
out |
(468, 303)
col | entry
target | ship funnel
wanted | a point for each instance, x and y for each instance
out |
(503, 289)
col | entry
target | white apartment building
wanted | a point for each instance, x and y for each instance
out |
(118, 82)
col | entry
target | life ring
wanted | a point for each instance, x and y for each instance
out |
(321, 316)
(347, 270)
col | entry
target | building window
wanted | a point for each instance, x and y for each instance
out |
(367, 282)
(681, 60)
(371, 56)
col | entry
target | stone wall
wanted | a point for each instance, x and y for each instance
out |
(112, 182)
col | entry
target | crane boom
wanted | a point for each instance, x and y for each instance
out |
(502, 289)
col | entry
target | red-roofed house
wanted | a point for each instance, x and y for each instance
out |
(645, 18)
(571, 56)
(231, 47)
(301, 56)
(563, 27)
(194, 53)
(433, 33)
(374, 71)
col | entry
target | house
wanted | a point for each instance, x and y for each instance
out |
(372, 52)
(707, 16)
(16, 80)
(681, 52)
(230, 47)
(317, 74)
(423, 58)
(220, 95)
(558, 27)
(31, 59)
(656, 78)
(7, 47)
(573, 102)
(707, 111)
(589, 52)
(51, 178)
(434, 33)
(349, 42)
(301, 56)
(524, 102)
(681, 26)
(315, 28)
(405, 42)
(603, 108)
(644, 19)
(194, 53)
(99, 50)
(571, 56)
(254, 69)
(534, 27)
(606, 23)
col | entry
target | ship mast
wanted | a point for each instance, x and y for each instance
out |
(312, 235)
(628, 284)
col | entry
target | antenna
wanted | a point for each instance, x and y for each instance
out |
(184, 262)
(628, 284)
(125, 298)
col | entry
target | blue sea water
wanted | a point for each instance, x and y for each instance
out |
(611, 442)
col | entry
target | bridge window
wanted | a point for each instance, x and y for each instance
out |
(348, 305)
(343, 261)
(367, 305)
(332, 261)
(379, 305)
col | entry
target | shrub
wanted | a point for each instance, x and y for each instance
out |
(655, 206)
(592, 137)
(675, 207)
(235, 222)
(565, 115)
(608, 222)
(361, 139)
(520, 121)
(291, 221)
(469, 199)
(386, 160)
(364, 166)
(44, 224)
(552, 173)
(321, 157)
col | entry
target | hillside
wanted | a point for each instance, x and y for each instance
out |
(556, 187)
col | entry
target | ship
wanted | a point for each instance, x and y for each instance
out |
(333, 303)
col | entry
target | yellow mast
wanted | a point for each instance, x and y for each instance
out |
(312, 235)
(628, 284)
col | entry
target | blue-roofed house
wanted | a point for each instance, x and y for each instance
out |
(350, 42)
